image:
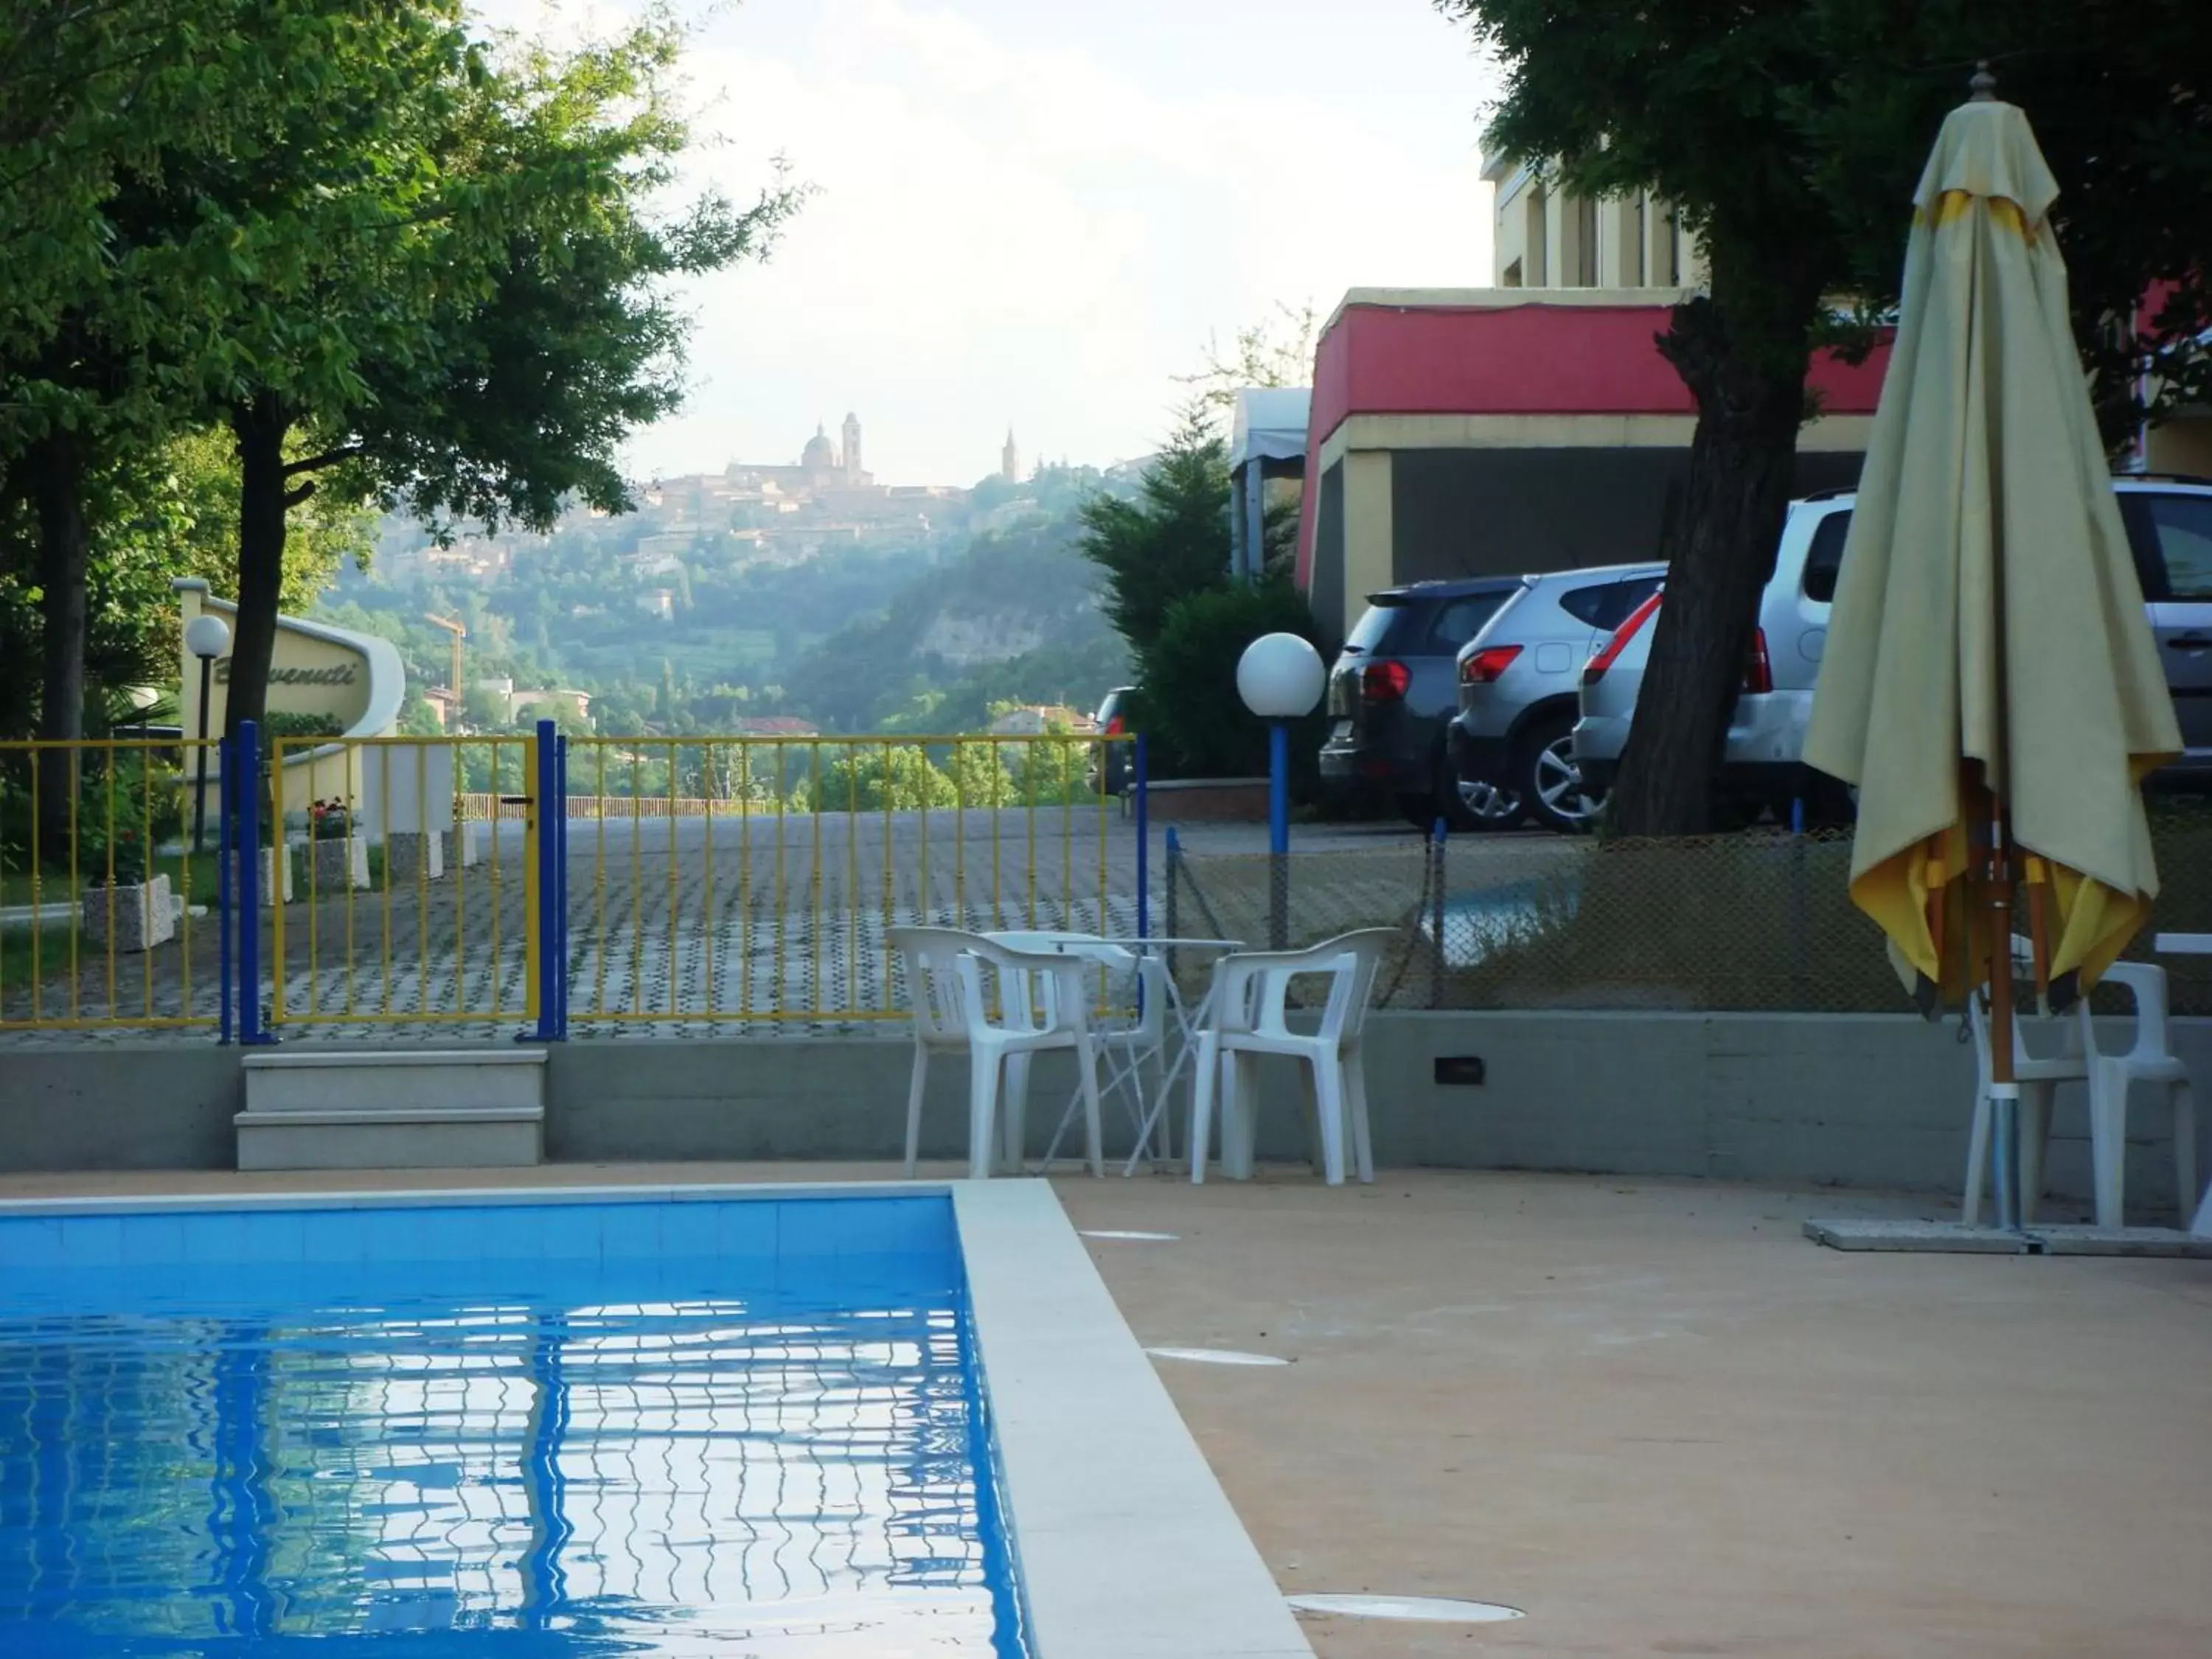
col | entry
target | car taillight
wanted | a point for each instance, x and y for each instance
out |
(1759, 676)
(1384, 681)
(1114, 728)
(1484, 667)
(1594, 671)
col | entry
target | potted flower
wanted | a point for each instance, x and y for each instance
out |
(341, 857)
(126, 909)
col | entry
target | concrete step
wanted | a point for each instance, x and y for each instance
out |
(395, 1080)
(385, 1138)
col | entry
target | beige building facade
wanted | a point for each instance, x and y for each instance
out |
(1543, 236)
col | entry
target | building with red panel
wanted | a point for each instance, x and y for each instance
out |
(1501, 430)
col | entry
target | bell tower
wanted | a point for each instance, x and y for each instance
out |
(852, 455)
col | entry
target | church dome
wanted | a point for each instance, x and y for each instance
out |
(819, 453)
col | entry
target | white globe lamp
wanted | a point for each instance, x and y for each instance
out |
(1280, 676)
(207, 636)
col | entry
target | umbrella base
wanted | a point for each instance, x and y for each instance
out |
(1956, 1238)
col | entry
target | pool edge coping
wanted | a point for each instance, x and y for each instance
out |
(1125, 1545)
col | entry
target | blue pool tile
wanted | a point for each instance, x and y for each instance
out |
(335, 1236)
(626, 1232)
(447, 1235)
(155, 1241)
(746, 1230)
(688, 1229)
(813, 1227)
(93, 1241)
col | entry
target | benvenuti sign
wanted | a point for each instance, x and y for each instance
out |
(342, 674)
(313, 669)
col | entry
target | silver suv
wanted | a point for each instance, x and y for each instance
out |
(1516, 692)
(2169, 523)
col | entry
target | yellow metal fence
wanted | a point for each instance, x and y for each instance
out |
(401, 886)
(107, 915)
(411, 881)
(743, 879)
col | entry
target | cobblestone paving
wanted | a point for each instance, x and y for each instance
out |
(767, 923)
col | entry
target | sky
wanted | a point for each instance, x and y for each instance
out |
(1035, 214)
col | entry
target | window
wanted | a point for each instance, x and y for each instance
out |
(1457, 621)
(1367, 633)
(1826, 556)
(2184, 540)
(1605, 605)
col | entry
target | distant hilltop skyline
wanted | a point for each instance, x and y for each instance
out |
(827, 465)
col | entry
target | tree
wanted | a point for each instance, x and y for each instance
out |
(2121, 100)
(1789, 135)
(1169, 542)
(1187, 683)
(486, 304)
(1701, 106)
(1277, 352)
(869, 779)
(117, 279)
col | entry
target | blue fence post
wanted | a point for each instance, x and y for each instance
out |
(247, 746)
(1138, 782)
(226, 844)
(552, 816)
(560, 881)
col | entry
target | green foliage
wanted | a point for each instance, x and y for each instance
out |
(2118, 97)
(1169, 542)
(1187, 683)
(980, 776)
(890, 779)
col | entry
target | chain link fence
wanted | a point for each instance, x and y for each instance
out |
(1759, 921)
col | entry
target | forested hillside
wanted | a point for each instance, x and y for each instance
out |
(861, 638)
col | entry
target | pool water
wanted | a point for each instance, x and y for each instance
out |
(751, 1427)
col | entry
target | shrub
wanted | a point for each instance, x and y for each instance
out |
(1188, 685)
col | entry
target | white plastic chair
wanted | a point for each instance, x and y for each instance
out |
(1040, 1005)
(932, 956)
(1131, 1034)
(2106, 1077)
(1250, 992)
(2147, 1060)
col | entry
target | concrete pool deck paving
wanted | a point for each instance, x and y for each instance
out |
(1649, 1414)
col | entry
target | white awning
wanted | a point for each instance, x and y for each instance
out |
(1270, 425)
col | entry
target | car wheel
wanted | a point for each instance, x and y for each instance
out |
(1476, 803)
(1550, 785)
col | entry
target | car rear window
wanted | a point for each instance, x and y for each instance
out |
(1826, 556)
(1605, 605)
(1372, 628)
(1453, 623)
(2184, 543)
(1422, 626)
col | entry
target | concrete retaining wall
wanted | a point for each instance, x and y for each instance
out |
(1849, 1100)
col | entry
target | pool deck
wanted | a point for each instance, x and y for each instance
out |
(1649, 1414)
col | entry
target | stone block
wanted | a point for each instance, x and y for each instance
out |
(133, 918)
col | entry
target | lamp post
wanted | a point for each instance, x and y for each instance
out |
(1281, 678)
(206, 637)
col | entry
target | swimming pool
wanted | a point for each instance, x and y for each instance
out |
(762, 1422)
(738, 1426)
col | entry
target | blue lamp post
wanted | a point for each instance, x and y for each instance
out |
(1281, 678)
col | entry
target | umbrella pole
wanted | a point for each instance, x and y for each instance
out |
(2004, 1085)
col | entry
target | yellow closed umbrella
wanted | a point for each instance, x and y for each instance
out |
(1990, 682)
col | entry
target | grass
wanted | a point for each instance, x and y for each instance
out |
(53, 886)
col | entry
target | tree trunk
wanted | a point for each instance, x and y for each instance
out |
(1742, 463)
(55, 467)
(260, 427)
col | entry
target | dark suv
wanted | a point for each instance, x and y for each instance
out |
(1112, 763)
(1393, 692)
